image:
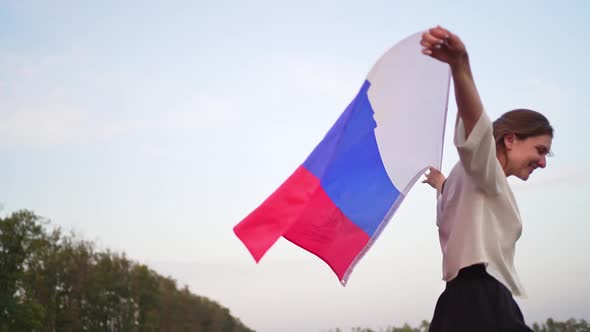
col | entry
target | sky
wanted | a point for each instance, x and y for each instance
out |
(152, 128)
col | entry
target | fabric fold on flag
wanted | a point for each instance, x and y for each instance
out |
(339, 200)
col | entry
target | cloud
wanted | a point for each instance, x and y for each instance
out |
(313, 74)
(35, 110)
(48, 122)
(324, 77)
(48, 125)
(77, 98)
(192, 113)
(61, 100)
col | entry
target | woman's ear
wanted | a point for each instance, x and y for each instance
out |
(509, 141)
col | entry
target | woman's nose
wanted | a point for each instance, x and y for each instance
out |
(543, 162)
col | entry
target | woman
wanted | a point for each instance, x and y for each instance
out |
(477, 215)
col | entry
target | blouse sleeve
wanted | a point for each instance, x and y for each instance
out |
(478, 154)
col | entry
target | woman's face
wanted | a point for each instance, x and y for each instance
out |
(526, 155)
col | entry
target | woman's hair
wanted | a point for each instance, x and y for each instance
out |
(524, 123)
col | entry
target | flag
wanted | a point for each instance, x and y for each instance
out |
(339, 200)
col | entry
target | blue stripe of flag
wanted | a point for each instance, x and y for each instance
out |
(350, 169)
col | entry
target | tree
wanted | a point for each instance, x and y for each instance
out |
(55, 282)
(570, 325)
(21, 235)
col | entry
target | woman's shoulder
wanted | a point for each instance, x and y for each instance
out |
(460, 179)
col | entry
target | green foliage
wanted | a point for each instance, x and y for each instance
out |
(551, 325)
(20, 238)
(570, 325)
(423, 327)
(55, 282)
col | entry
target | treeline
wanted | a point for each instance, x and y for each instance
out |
(570, 325)
(423, 327)
(51, 281)
(550, 325)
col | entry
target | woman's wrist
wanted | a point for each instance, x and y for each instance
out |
(460, 64)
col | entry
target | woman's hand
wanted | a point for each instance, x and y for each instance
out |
(435, 179)
(444, 46)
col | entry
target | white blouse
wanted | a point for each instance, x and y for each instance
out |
(477, 215)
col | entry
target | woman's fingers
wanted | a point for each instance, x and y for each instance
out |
(425, 43)
(427, 51)
(440, 32)
(429, 41)
(433, 40)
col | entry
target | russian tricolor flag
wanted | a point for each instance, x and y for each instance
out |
(339, 200)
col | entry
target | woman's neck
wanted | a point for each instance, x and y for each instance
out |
(501, 155)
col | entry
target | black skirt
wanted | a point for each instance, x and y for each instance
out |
(476, 301)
